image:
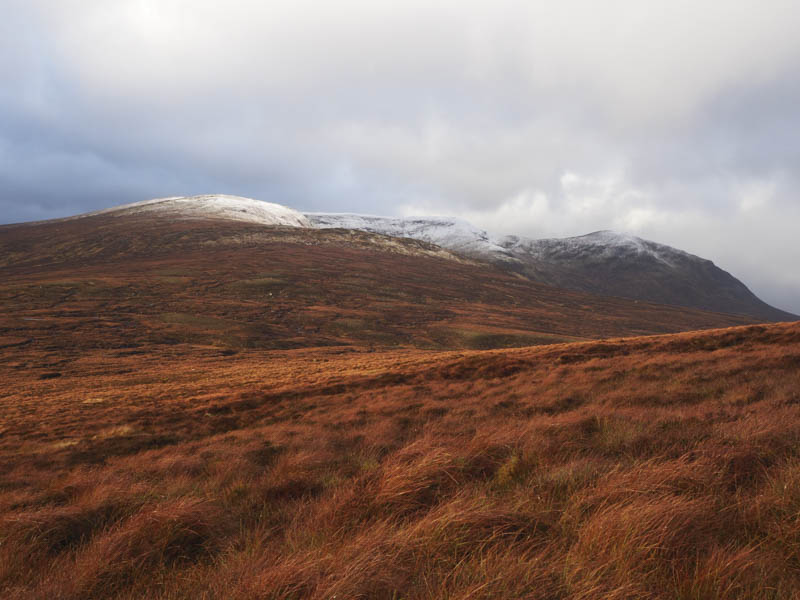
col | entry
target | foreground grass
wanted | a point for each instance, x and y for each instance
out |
(664, 467)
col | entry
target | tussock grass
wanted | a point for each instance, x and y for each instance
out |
(662, 467)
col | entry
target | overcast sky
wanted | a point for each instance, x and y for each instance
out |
(676, 120)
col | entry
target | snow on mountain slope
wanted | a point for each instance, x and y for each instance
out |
(461, 236)
(603, 262)
(600, 245)
(620, 264)
(448, 232)
(213, 206)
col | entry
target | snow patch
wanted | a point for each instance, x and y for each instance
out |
(600, 244)
(213, 206)
(451, 233)
(461, 236)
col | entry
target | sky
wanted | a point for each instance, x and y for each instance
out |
(678, 121)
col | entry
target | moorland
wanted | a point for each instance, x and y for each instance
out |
(198, 410)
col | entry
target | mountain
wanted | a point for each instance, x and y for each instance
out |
(196, 404)
(619, 264)
(213, 206)
(129, 278)
(392, 281)
(604, 262)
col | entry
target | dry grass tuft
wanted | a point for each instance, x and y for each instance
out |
(657, 467)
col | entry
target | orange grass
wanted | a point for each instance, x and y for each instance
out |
(654, 467)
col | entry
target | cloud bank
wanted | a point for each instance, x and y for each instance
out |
(676, 121)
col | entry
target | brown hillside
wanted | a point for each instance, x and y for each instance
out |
(123, 283)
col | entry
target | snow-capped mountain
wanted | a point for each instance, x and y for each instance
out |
(597, 246)
(603, 262)
(212, 206)
(448, 232)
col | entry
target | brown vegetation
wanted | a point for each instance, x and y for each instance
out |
(196, 410)
(654, 467)
(126, 284)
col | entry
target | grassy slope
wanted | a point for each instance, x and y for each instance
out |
(660, 467)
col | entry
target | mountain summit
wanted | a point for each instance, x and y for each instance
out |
(211, 206)
(619, 264)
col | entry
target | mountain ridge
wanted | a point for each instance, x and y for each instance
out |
(603, 262)
(214, 206)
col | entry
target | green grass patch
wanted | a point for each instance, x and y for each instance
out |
(474, 339)
(257, 286)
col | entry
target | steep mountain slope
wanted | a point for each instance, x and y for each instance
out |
(604, 262)
(617, 264)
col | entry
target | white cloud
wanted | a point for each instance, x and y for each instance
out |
(754, 195)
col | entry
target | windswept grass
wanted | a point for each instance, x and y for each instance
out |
(659, 467)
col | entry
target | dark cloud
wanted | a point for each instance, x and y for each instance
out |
(672, 120)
